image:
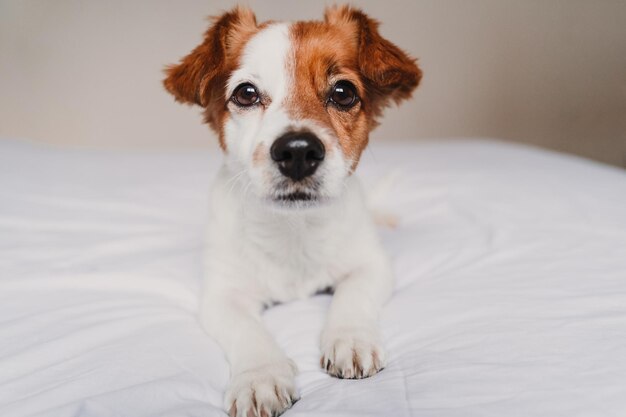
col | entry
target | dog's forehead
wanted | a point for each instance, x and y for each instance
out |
(280, 52)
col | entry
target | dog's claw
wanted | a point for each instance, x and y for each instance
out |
(352, 354)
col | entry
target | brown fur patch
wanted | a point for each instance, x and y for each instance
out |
(200, 77)
(347, 46)
(388, 72)
(324, 54)
(259, 154)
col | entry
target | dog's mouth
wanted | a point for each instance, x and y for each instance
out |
(296, 196)
(296, 200)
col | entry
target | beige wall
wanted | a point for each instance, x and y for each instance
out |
(549, 72)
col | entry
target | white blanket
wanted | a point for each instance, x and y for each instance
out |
(510, 297)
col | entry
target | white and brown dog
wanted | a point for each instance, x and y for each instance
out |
(293, 105)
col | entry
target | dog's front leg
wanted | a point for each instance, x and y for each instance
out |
(262, 377)
(350, 342)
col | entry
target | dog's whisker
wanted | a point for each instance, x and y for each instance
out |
(231, 182)
(235, 177)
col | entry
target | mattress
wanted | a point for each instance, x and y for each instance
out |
(510, 297)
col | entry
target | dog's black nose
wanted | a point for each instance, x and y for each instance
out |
(298, 154)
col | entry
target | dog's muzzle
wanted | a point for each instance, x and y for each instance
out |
(298, 154)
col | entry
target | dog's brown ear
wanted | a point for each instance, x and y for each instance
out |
(199, 75)
(390, 74)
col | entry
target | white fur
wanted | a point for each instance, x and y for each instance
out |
(258, 252)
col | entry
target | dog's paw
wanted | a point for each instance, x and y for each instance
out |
(352, 353)
(265, 391)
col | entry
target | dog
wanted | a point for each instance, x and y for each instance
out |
(292, 105)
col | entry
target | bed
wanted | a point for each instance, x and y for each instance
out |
(510, 297)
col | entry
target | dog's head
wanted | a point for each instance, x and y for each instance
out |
(293, 104)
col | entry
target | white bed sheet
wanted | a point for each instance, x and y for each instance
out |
(510, 297)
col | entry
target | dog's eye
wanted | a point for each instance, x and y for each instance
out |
(246, 95)
(344, 94)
